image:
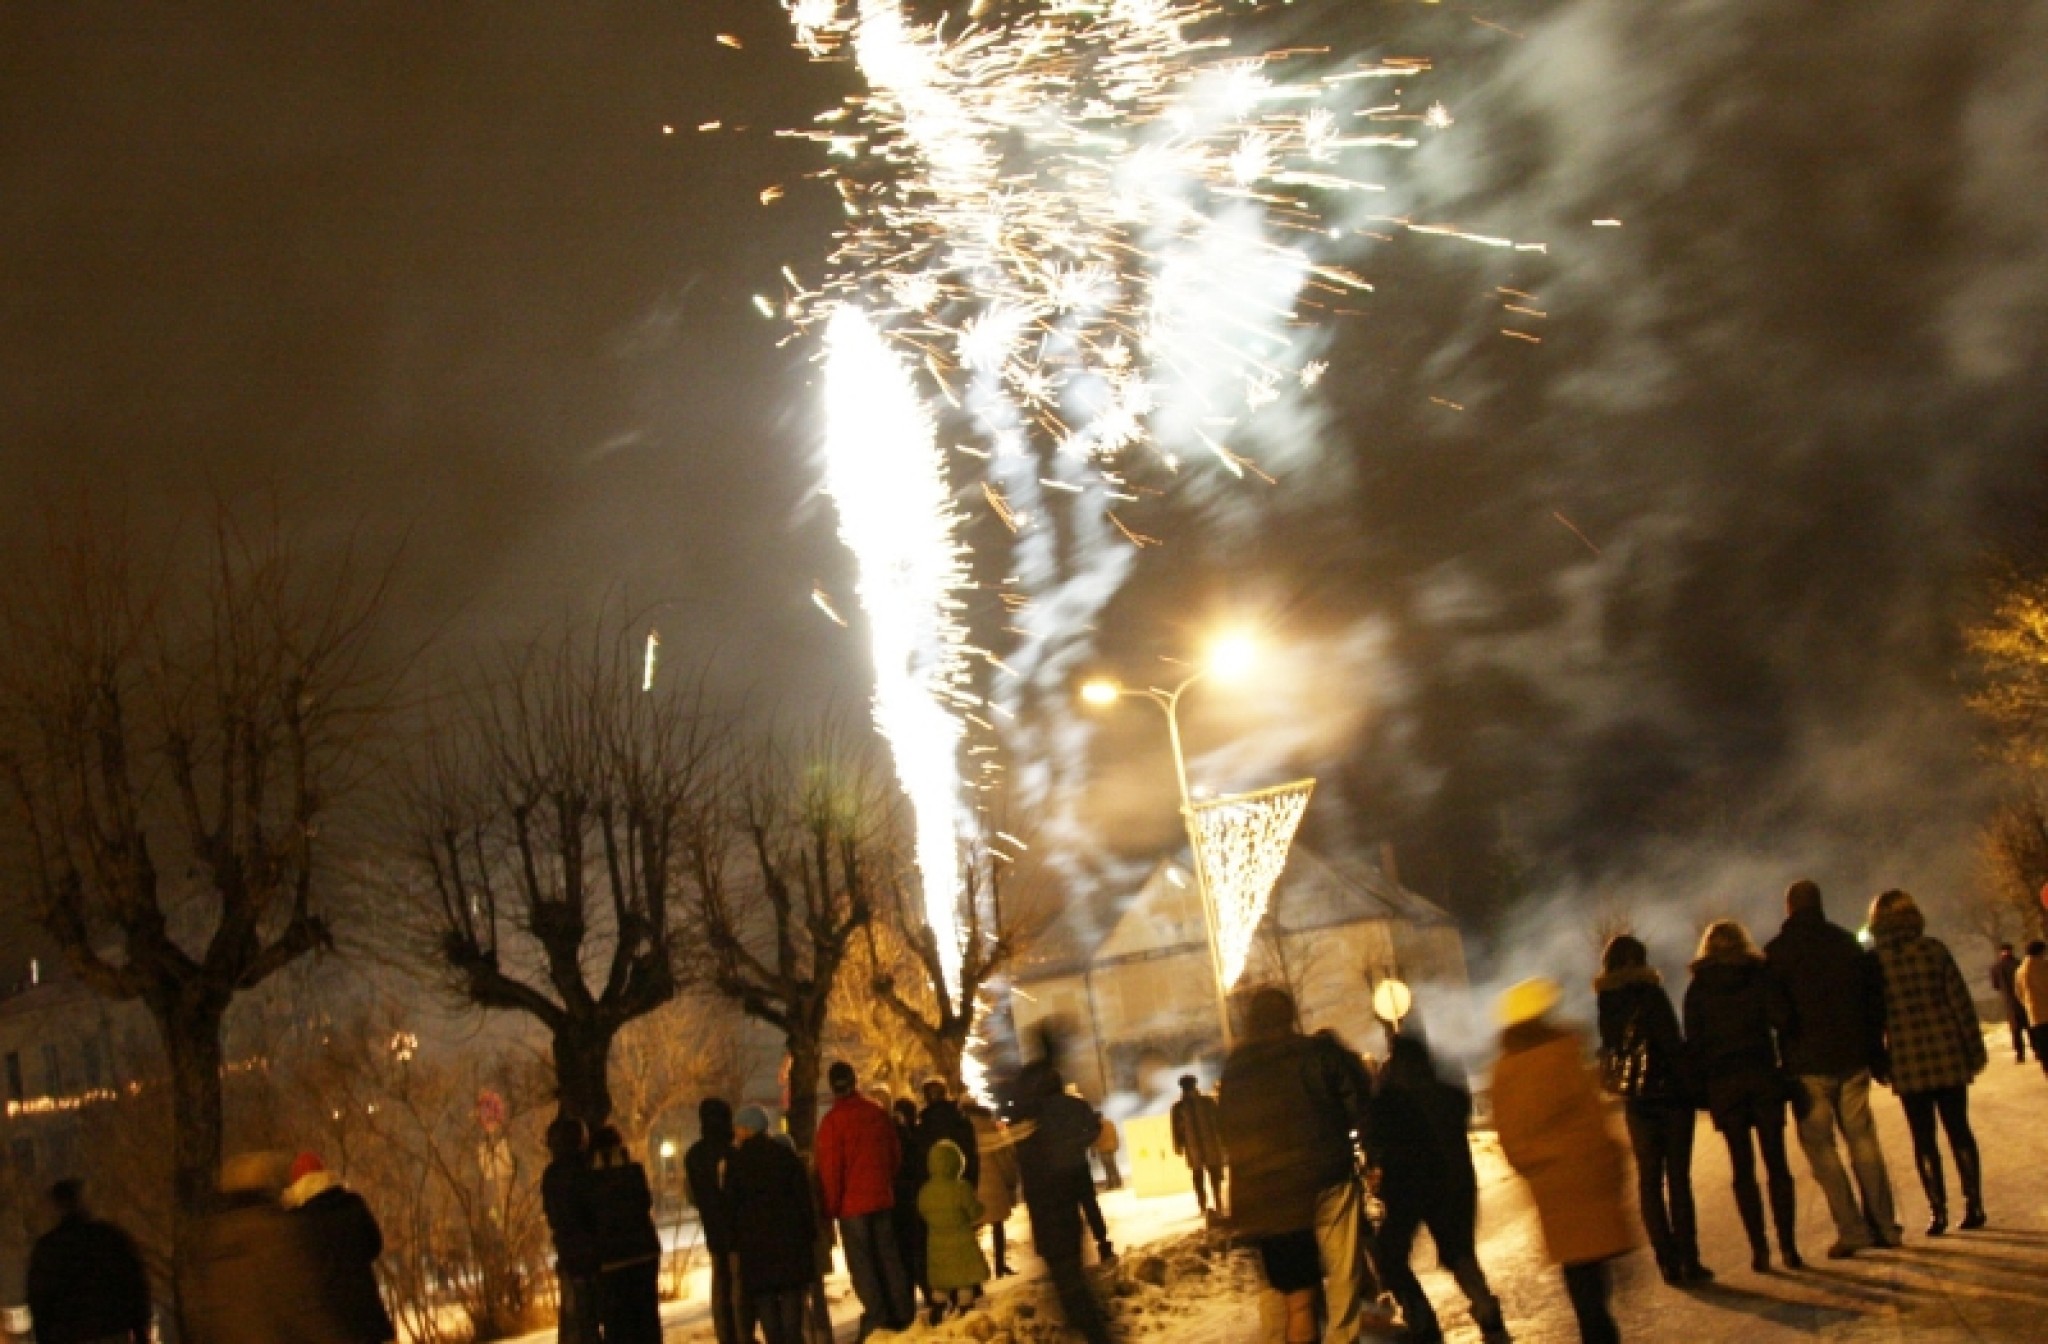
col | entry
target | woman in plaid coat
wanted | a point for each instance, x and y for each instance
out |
(1935, 1048)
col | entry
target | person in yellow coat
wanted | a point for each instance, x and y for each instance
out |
(1554, 1132)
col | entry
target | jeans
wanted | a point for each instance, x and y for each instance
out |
(1661, 1136)
(1770, 1139)
(1212, 1194)
(1452, 1219)
(876, 1268)
(1091, 1209)
(1588, 1286)
(1844, 1102)
(1344, 1237)
(2016, 1018)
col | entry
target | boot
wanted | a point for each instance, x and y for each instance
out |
(1785, 1213)
(1749, 1202)
(1929, 1167)
(1970, 1175)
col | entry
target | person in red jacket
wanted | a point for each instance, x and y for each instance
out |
(858, 1152)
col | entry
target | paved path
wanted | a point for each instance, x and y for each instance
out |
(1986, 1285)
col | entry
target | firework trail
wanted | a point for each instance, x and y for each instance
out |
(888, 482)
(1089, 232)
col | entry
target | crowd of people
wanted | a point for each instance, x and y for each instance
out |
(1305, 1135)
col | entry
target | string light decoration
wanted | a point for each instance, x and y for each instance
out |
(1241, 842)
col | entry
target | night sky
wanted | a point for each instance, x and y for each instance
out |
(437, 268)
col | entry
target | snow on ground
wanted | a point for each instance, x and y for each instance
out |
(1990, 1285)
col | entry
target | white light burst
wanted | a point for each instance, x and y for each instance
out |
(887, 479)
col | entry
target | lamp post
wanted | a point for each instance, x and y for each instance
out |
(1229, 658)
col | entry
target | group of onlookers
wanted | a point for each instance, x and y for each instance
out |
(907, 1190)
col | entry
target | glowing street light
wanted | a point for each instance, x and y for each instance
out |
(1228, 659)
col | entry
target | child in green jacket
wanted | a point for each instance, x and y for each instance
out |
(954, 1268)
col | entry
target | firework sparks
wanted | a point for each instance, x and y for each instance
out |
(887, 479)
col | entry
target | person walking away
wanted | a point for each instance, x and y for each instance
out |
(1091, 1204)
(1417, 1138)
(256, 1276)
(2005, 979)
(2032, 978)
(952, 1214)
(628, 1246)
(705, 1166)
(997, 1188)
(1198, 1140)
(565, 1201)
(1832, 1049)
(346, 1242)
(1055, 1129)
(1107, 1143)
(1934, 1049)
(1553, 1132)
(86, 1283)
(1735, 1010)
(858, 1154)
(1643, 1061)
(1288, 1106)
(775, 1227)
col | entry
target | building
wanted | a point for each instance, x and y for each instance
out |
(1142, 995)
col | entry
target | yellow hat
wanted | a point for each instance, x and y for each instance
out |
(1528, 1001)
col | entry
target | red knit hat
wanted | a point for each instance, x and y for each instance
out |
(305, 1164)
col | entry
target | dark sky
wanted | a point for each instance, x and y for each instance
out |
(438, 267)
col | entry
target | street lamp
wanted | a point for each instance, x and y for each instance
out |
(1228, 660)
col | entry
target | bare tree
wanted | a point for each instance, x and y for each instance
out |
(2013, 860)
(998, 919)
(178, 738)
(787, 874)
(542, 841)
(2008, 644)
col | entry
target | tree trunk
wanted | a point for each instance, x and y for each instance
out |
(192, 1046)
(806, 1058)
(583, 1089)
(948, 1054)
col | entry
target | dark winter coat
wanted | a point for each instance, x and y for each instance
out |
(1055, 1131)
(1837, 996)
(1932, 1039)
(775, 1226)
(1417, 1132)
(2005, 980)
(1289, 1107)
(944, 1122)
(1198, 1131)
(346, 1241)
(858, 1153)
(1734, 1010)
(704, 1170)
(1636, 1016)
(622, 1210)
(255, 1279)
(565, 1197)
(1554, 1133)
(86, 1283)
(952, 1214)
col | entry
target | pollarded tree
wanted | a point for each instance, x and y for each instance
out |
(543, 839)
(2008, 646)
(787, 873)
(179, 737)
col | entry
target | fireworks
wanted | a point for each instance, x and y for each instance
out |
(1076, 233)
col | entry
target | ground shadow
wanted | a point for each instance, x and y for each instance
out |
(1974, 1255)
(1792, 1313)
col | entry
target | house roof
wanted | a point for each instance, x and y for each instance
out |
(1163, 916)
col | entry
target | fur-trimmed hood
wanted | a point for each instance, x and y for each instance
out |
(1626, 976)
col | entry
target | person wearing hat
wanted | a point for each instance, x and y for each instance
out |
(346, 1241)
(628, 1247)
(1198, 1139)
(1553, 1132)
(775, 1227)
(565, 1200)
(255, 1275)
